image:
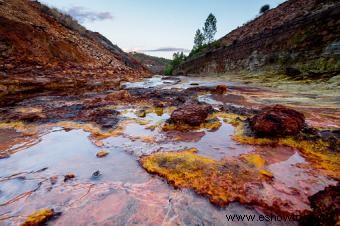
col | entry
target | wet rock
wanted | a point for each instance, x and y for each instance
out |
(39, 218)
(220, 89)
(326, 208)
(41, 170)
(171, 78)
(21, 178)
(277, 121)
(292, 72)
(201, 89)
(96, 174)
(69, 176)
(28, 115)
(239, 110)
(141, 113)
(191, 113)
(120, 95)
(106, 118)
(4, 155)
(102, 154)
(160, 97)
(54, 180)
(330, 134)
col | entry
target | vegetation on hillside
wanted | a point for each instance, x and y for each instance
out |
(178, 58)
(146, 58)
(264, 8)
(63, 18)
(210, 28)
(203, 39)
(155, 64)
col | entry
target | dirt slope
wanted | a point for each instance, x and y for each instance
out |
(155, 64)
(41, 49)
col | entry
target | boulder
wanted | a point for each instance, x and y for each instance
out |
(278, 120)
(326, 207)
(220, 89)
(191, 113)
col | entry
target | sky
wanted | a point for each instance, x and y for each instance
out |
(152, 26)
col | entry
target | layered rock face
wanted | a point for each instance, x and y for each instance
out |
(299, 34)
(42, 49)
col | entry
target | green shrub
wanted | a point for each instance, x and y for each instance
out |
(178, 58)
(264, 8)
(62, 18)
(168, 69)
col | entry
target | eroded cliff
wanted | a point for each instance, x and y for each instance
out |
(42, 49)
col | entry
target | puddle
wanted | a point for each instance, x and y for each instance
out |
(124, 193)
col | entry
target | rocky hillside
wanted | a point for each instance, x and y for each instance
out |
(299, 37)
(155, 64)
(43, 49)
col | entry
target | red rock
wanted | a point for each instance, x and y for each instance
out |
(220, 89)
(4, 155)
(106, 118)
(3, 89)
(53, 180)
(102, 154)
(191, 113)
(276, 121)
(326, 207)
(66, 56)
(120, 95)
(28, 115)
(69, 176)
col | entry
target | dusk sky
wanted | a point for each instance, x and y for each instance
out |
(139, 25)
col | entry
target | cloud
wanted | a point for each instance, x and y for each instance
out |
(167, 49)
(83, 15)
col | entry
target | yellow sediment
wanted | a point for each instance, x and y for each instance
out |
(209, 125)
(102, 153)
(257, 161)
(13, 125)
(316, 152)
(39, 218)
(95, 131)
(221, 181)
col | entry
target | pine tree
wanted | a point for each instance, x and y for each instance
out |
(210, 28)
(199, 39)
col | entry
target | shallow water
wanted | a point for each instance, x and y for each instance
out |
(124, 193)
